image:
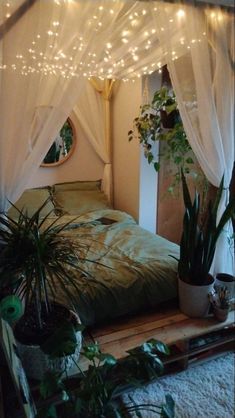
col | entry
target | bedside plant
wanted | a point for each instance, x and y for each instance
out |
(36, 262)
(197, 249)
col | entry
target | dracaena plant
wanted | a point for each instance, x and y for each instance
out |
(98, 388)
(199, 238)
(38, 261)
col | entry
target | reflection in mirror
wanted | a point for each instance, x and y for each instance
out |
(62, 147)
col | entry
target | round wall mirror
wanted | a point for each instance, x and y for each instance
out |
(62, 147)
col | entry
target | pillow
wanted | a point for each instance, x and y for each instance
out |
(78, 185)
(79, 202)
(31, 200)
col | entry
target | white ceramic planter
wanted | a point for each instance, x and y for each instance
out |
(36, 363)
(194, 300)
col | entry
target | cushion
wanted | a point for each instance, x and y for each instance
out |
(78, 185)
(79, 202)
(31, 200)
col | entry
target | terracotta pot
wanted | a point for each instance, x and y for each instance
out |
(194, 300)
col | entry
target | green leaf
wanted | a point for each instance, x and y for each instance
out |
(50, 384)
(189, 160)
(62, 342)
(156, 166)
(107, 359)
(150, 157)
(168, 410)
(47, 412)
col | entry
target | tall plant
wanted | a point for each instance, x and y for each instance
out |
(198, 241)
(37, 260)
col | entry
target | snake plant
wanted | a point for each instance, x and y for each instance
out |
(198, 241)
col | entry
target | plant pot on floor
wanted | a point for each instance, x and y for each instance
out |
(193, 300)
(226, 280)
(31, 342)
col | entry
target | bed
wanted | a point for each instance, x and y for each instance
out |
(135, 271)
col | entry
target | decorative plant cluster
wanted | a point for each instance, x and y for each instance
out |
(96, 391)
(150, 127)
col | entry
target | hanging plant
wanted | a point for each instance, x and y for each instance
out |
(160, 121)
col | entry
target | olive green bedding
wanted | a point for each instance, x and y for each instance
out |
(133, 269)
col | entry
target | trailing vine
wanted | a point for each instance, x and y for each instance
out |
(160, 121)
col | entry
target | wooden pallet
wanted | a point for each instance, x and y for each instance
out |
(170, 326)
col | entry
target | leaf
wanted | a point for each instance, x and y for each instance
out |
(50, 384)
(150, 157)
(168, 410)
(47, 412)
(189, 160)
(62, 342)
(160, 346)
(156, 166)
(107, 359)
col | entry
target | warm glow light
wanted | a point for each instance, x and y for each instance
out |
(181, 13)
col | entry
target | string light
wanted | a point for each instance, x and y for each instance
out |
(45, 56)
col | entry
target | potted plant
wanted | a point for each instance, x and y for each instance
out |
(197, 249)
(98, 389)
(220, 300)
(227, 280)
(37, 263)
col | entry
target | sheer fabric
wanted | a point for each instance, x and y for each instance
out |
(46, 52)
(93, 113)
(203, 81)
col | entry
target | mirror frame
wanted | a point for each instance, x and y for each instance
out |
(71, 151)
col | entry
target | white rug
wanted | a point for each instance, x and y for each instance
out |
(202, 391)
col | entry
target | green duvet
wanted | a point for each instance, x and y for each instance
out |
(134, 272)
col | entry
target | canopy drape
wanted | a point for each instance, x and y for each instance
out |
(47, 52)
(203, 81)
(93, 113)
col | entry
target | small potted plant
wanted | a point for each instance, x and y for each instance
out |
(39, 263)
(221, 301)
(197, 249)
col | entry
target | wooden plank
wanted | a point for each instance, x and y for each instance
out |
(138, 319)
(133, 329)
(169, 334)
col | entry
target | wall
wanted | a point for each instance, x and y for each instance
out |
(126, 155)
(84, 164)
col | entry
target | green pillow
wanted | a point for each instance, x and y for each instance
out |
(78, 185)
(31, 200)
(79, 202)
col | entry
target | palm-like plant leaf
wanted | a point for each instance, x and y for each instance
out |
(38, 260)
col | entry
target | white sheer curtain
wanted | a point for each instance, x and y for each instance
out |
(92, 111)
(45, 53)
(43, 57)
(203, 81)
